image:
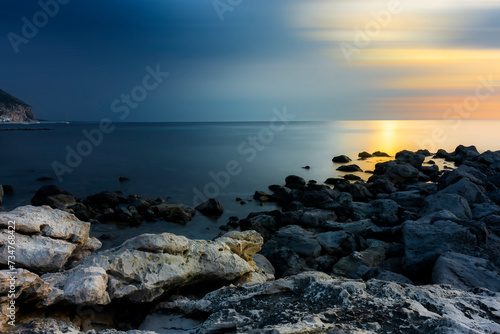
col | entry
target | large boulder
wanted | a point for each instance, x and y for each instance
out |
(468, 190)
(397, 171)
(150, 266)
(337, 242)
(470, 173)
(466, 272)
(298, 240)
(454, 203)
(425, 242)
(412, 158)
(54, 197)
(294, 182)
(314, 302)
(45, 239)
(211, 207)
(341, 159)
(358, 264)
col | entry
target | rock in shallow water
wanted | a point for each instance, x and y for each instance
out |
(212, 207)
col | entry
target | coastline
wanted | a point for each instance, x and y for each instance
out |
(335, 246)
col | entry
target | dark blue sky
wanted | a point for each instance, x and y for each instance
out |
(91, 52)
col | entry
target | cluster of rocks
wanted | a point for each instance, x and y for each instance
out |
(109, 206)
(414, 249)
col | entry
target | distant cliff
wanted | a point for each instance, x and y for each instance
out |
(14, 110)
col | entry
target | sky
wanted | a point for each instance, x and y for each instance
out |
(237, 60)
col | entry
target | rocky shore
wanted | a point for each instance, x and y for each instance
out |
(413, 249)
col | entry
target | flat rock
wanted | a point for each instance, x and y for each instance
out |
(45, 238)
(466, 272)
(314, 302)
(349, 168)
(341, 159)
(150, 266)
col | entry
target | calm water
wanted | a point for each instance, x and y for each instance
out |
(170, 160)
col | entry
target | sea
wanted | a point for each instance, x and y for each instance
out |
(189, 162)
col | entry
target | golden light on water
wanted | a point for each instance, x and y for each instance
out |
(415, 56)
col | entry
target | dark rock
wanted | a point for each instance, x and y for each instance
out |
(337, 243)
(466, 272)
(212, 207)
(364, 155)
(357, 264)
(262, 196)
(450, 177)
(463, 153)
(307, 167)
(451, 202)
(294, 182)
(349, 168)
(301, 241)
(424, 243)
(352, 177)
(386, 276)
(1, 194)
(341, 159)
(82, 211)
(481, 210)
(413, 159)
(385, 212)
(105, 199)
(424, 152)
(489, 158)
(45, 178)
(54, 196)
(380, 184)
(410, 200)
(359, 192)
(317, 217)
(380, 154)
(314, 198)
(250, 224)
(283, 259)
(398, 171)
(239, 199)
(123, 179)
(282, 194)
(442, 154)
(468, 190)
(8, 189)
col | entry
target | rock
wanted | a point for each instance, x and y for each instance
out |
(39, 325)
(317, 217)
(283, 259)
(425, 242)
(263, 263)
(358, 264)
(45, 238)
(489, 157)
(413, 159)
(212, 207)
(176, 213)
(105, 199)
(349, 168)
(44, 178)
(294, 182)
(341, 159)
(410, 200)
(298, 240)
(352, 177)
(454, 203)
(314, 198)
(424, 152)
(470, 173)
(337, 243)
(314, 302)
(463, 153)
(262, 196)
(466, 272)
(365, 228)
(150, 266)
(364, 155)
(387, 276)
(160, 323)
(385, 212)
(380, 154)
(8, 189)
(359, 192)
(82, 285)
(123, 179)
(468, 190)
(1, 194)
(398, 172)
(481, 210)
(380, 184)
(54, 196)
(442, 154)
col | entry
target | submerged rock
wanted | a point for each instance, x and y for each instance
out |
(212, 207)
